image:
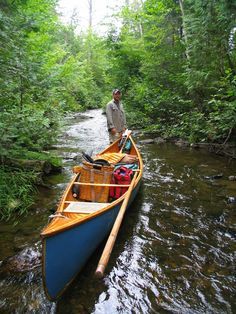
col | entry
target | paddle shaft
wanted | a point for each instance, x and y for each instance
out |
(113, 235)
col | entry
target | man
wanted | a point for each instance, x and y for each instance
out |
(116, 121)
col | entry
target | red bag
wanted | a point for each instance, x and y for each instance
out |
(120, 176)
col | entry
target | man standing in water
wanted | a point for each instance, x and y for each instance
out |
(116, 121)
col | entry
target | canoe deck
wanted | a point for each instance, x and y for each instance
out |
(84, 207)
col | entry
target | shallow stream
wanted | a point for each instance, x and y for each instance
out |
(175, 252)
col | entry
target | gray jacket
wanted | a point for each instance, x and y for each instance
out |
(115, 116)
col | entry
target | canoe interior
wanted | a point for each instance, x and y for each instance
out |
(73, 210)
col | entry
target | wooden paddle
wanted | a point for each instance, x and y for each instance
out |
(99, 273)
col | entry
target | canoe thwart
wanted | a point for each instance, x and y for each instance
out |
(102, 184)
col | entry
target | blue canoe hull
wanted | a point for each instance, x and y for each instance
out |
(65, 253)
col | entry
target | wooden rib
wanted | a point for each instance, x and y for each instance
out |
(134, 170)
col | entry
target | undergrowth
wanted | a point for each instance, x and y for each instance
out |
(17, 191)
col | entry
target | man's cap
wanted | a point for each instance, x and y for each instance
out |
(116, 91)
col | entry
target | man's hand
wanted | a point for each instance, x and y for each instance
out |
(113, 131)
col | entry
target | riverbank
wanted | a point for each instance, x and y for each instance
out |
(227, 150)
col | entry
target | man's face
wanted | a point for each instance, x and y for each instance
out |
(117, 96)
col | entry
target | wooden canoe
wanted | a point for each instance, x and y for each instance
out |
(78, 227)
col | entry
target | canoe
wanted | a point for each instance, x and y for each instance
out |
(82, 222)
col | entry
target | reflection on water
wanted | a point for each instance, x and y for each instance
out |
(175, 252)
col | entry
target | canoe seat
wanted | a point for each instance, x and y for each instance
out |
(84, 207)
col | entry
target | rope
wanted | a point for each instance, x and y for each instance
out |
(58, 215)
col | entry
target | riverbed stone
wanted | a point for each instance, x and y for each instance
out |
(214, 176)
(159, 140)
(28, 259)
(182, 143)
(147, 141)
(231, 200)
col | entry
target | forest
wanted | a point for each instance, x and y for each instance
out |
(174, 60)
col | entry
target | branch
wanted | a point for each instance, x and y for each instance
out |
(226, 140)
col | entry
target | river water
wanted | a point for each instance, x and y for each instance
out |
(175, 252)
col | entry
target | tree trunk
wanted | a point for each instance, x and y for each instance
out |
(181, 4)
(90, 4)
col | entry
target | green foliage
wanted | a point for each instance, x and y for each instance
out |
(191, 126)
(26, 128)
(178, 72)
(176, 67)
(43, 156)
(16, 192)
(46, 71)
(125, 50)
(222, 119)
(208, 28)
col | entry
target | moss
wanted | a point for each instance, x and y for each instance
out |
(43, 156)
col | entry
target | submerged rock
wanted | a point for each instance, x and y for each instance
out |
(213, 177)
(182, 143)
(231, 200)
(28, 259)
(159, 140)
(147, 141)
